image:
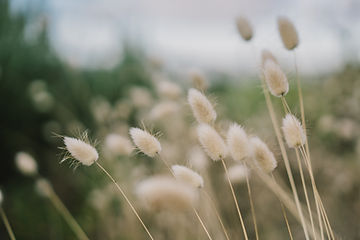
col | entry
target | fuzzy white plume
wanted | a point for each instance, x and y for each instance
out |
(81, 151)
(275, 79)
(293, 131)
(212, 142)
(26, 164)
(188, 175)
(146, 142)
(237, 142)
(263, 157)
(201, 107)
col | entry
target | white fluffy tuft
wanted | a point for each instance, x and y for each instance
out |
(293, 131)
(146, 142)
(237, 142)
(275, 79)
(263, 157)
(212, 142)
(188, 175)
(244, 28)
(169, 89)
(26, 164)
(288, 33)
(201, 107)
(165, 193)
(238, 173)
(81, 151)
(118, 145)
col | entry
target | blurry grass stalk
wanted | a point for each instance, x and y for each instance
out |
(284, 155)
(7, 224)
(59, 205)
(252, 207)
(126, 199)
(235, 200)
(284, 212)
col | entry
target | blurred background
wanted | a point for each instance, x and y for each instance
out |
(67, 66)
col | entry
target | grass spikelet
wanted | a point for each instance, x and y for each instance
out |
(198, 80)
(80, 151)
(237, 142)
(168, 89)
(165, 193)
(244, 28)
(147, 143)
(263, 157)
(267, 55)
(293, 131)
(212, 142)
(118, 145)
(201, 107)
(163, 110)
(238, 173)
(288, 33)
(188, 175)
(26, 164)
(275, 79)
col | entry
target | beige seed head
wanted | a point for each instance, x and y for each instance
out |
(275, 79)
(237, 142)
(26, 164)
(168, 89)
(293, 131)
(163, 110)
(263, 157)
(288, 33)
(81, 151)
(43, 187)
(198, 80)
(165, 193)
(212, 142)
(244, 28)
(267, 55)
(188, 175)
(201, 107)
(238, 173)
(146, 142)
(118, 145)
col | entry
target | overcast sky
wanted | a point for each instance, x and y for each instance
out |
(202, 34)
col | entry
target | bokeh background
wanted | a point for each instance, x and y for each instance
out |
(64, 64)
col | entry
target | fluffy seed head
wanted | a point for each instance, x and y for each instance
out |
(237, 142)
(81, 151)
(212, 142)
(267, 55)
(168, 89)
(165, 193)
(198, 159)
(118, 145)
(43, 187)
(146, 142)
(164, 110)
(244, 28)
(198, 80)
(275, 79)
(293, 131)
(201, 107)
(238, 173)
(26, 164)
(288, 33)
(263, 157)
(187, 175)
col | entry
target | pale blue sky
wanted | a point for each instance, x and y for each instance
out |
(188, 34)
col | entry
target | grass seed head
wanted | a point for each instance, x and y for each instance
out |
(26, 164)
(263, 157)
(275, 79)
(293, 131)
(188, 175)
(238, 173)
(81, 151)
(201, 107)
(244, 28)
(237, 142)
(267, 55)
(168, 89)
(212, 142)
(147, 143)
(118, 145)
(288, 33)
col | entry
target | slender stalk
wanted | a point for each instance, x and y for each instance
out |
(195, 211)
(7, 224)
(59, 205)
(235, 200)
(252, 207)
(305, 190)
(127, 200)
(285, 157)
(284, 213)
(217, 214)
